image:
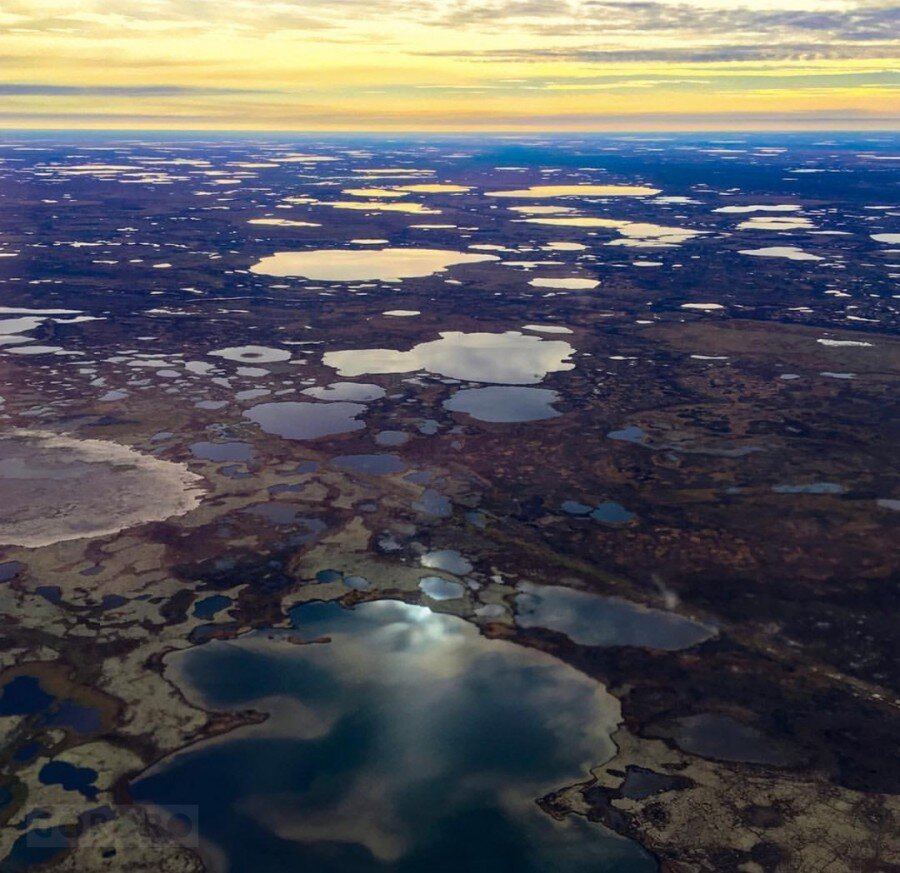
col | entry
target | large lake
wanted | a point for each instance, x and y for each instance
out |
(401, 740)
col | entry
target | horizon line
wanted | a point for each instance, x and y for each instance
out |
(895, 129)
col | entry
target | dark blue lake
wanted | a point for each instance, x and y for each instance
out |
(406, 742)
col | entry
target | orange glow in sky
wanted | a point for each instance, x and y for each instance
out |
(449, 64)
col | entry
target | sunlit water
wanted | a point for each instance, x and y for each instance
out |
(407, 742)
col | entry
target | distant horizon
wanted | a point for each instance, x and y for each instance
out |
(450, 65)
(454, 132)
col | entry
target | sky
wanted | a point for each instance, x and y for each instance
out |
(450, 65)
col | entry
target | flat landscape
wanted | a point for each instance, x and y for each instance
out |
(392, 504)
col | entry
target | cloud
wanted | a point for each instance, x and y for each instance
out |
(621, 30)
(838, 118)
(783, 51)
(850, 22)
(46, 90)
(136, 17)
(389, 62)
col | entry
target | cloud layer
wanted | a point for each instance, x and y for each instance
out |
(445, 64)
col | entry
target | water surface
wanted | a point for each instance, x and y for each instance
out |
(504, 404)
(406, 744)
(348, 265)
(594, 620)
(58, 488)
(296, 420)
(510, 358)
